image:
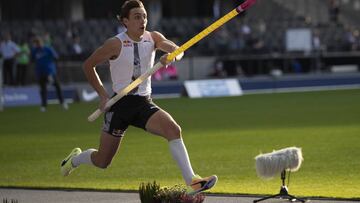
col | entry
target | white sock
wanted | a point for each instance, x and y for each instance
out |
(83, 158)
(181, 157)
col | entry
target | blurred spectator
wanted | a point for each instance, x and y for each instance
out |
(262, 27)
(76, 46)
(258, 46)
(238, 40)
(45, 57)
(218, 69)
(47, 39)
(246, 35)
(221, 41)
(157, 75)
(316, 42)
(296, 66)
(239, 43)
(245, 30)
(334, 11)
(351, 40)
(23, 61)
(76, 49)
(216, 9)
(9, 51)
(356, 45)
(168, 73)
(71, 31)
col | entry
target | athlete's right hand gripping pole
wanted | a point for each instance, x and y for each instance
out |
(172, 55)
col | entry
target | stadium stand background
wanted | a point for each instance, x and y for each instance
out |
(242, 54)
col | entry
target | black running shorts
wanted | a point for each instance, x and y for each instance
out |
(130, 110)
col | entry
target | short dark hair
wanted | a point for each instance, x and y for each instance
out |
(127, 6)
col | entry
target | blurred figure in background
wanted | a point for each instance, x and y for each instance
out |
(23, 61)
(262, 26)
(218, 69)
(76, 49)
(47, 39)
(9, 51)
(334, 11)
(246, 34)
(316, 41)
(351, 39)
(45, 58)
(216, 9)
(166, 73)
(356, 44)
(258, 46)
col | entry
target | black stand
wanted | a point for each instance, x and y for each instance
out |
(284, 192)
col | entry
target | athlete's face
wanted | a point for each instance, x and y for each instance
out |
(137, 21)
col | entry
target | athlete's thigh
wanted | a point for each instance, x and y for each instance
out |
(162, 123)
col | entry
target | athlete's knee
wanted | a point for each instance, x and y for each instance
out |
(173, 132)
(177, 131)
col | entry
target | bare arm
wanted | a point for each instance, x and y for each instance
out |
(110, 49)
(165, 45)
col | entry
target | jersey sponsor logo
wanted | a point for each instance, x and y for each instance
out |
(127, 43)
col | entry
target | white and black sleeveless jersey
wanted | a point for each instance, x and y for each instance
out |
(134, 59)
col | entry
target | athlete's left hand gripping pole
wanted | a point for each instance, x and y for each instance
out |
(172, 55)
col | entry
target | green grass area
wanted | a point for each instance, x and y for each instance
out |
(223, 135)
